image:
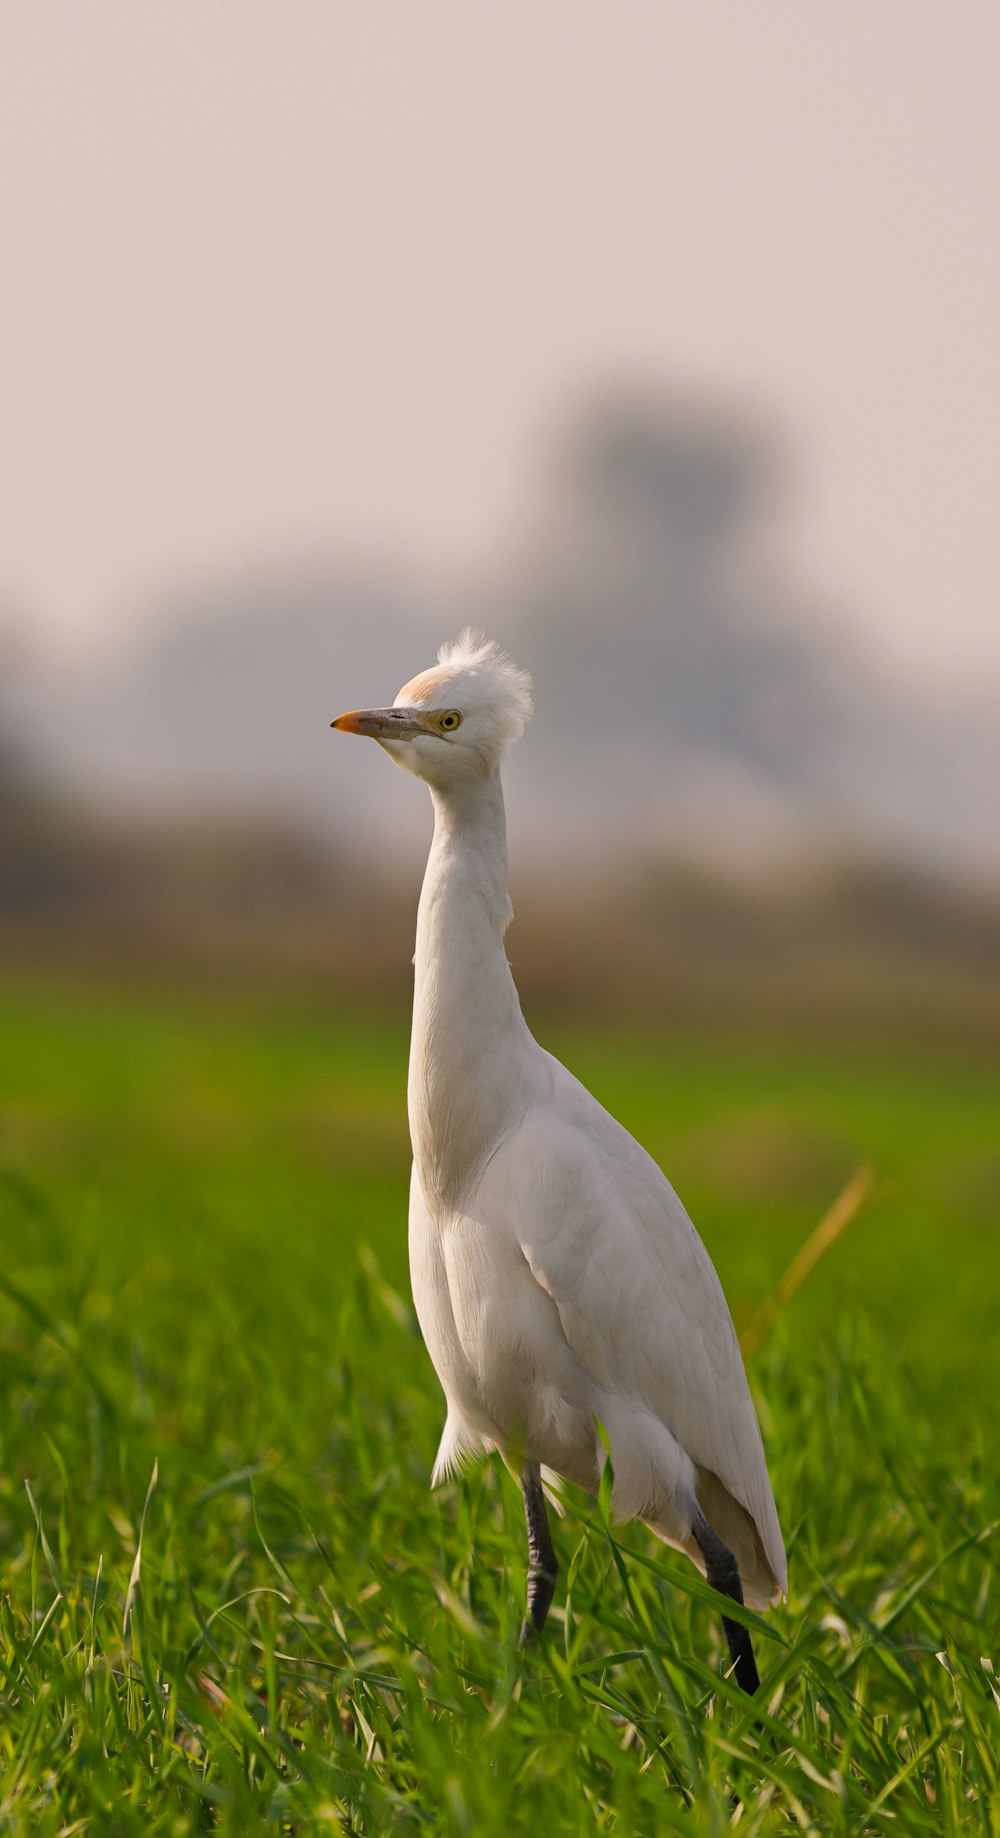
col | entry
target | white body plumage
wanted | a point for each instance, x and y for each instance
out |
(556, 1276)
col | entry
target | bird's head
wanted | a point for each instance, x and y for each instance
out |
(452, 722)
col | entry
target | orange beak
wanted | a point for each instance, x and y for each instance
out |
(379, 723)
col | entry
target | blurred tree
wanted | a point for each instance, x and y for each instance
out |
(667, 649)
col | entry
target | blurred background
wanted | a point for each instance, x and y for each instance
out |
(661, 340)
(664, 345)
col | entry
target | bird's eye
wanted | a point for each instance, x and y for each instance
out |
(450, 721)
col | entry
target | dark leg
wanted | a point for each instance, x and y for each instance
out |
(542, 1565)
(723, 1572)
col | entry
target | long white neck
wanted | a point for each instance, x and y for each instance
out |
(466, 1085)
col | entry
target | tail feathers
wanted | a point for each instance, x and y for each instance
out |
(764, 1584)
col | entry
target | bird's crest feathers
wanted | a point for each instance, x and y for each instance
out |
(473, 653)
(474, 672)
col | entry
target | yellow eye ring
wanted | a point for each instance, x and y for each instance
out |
(450, 721)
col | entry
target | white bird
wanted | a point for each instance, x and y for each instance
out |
(558, 1281)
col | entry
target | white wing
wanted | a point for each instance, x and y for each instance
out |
(641, 1307)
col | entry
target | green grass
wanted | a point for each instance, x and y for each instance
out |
(203, 1267)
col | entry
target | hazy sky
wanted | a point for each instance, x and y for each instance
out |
(319, 276)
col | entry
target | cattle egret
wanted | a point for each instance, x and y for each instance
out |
(559, 1284)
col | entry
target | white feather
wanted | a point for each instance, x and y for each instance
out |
(556, 1275)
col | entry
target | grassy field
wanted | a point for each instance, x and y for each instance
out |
(230, 1602)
